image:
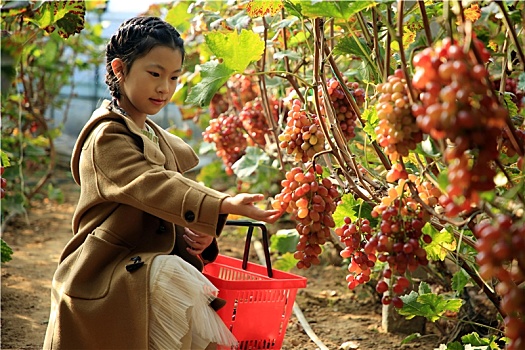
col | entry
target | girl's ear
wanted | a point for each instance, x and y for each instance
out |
(118, 68)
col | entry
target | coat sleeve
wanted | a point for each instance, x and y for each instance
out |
(124, 175)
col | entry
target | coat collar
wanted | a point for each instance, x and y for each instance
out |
(179, 155)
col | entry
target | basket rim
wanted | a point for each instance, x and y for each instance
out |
(280, 280)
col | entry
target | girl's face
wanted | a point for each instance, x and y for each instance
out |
(150, 83)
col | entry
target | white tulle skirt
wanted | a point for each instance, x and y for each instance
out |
(180, 315)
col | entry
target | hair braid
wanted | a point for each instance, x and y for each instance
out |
(134, 39)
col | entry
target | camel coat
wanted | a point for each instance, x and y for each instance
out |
(133, 204)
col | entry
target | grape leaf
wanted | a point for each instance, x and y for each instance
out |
(442, 242)
(67, 17)
(352, 207)
(214, 75)
(370, 115)
(285, 262)
(284, 241)
(460, 280)
(483, 343)
(427, 304)
(259, 8)
(337, 9)
(236, 51)
(179, 17)
(6, 252)
(352, 46)
(249, 163)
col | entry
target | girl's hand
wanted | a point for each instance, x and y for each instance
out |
(242, 204)
(196, 241)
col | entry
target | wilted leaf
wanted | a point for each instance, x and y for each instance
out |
(259, 8)
(67, 17)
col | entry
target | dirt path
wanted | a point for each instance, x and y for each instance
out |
(336, 314)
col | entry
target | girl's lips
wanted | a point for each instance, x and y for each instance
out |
(157, 102)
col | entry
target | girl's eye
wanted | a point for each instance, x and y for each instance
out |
(174, 78)
(155, 74)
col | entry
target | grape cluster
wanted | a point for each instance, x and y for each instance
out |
(302, 136)
(397, 131)
(343, 109)
(218, 105)
(362, 259)
(254, 121)
(501, 255)
(3, 182)
(242, 90)
(225, 132)
(457, 105)
(311, 200)
(511, 86)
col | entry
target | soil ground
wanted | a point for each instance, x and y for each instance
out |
(341, 319)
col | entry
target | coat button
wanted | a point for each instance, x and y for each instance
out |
(161, 229)
(189, 216)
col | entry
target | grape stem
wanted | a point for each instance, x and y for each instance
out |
(426, 24)
(268, 112)
(399, 37)
(353, 104)
(481, 284)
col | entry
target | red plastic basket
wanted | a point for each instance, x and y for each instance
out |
(258, 307)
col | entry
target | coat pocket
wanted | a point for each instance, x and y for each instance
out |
(87, 272)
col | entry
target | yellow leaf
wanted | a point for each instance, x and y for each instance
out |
(473, 13)
(259, 8)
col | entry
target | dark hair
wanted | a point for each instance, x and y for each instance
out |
(134, 39)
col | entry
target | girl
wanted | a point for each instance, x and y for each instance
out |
(130, 278)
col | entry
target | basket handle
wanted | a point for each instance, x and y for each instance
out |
(264, 232)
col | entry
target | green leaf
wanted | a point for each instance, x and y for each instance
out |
(410, 338)
(236, 51)
(511, 106)
(6, 252)
(5, 159)
(245, 167)
(214, 75)
(285, 262)
(429, 147)
(352, 46)
(480, 343)
(460, 280)
(442, 242)
(412, 307)
(352, 208)
(337, 9)
(427, 304)
(179, 17)
(424, 288)
(370, 116)
(284, 241)
(454, 346)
